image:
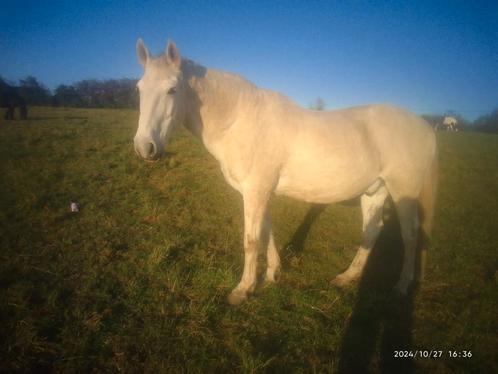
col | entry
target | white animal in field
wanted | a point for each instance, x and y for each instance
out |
(449, 124)
(265, 144)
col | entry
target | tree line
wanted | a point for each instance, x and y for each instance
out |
(88, 93)
(121, 93)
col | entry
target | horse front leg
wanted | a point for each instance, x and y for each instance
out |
(273, 259)
(255, 203)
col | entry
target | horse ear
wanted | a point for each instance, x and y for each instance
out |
(173, 54)
(142, 52)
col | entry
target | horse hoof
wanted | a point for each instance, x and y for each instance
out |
(236, 297)
(272, 277)
(341, 281)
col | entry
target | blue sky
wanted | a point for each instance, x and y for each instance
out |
(426, 56)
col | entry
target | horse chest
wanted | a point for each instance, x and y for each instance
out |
(229, 178)
(218, 152)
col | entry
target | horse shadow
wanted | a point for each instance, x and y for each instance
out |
(296, 242)
(381, 320)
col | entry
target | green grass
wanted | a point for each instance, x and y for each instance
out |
(137, 280)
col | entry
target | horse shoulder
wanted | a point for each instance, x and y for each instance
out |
(249, 152)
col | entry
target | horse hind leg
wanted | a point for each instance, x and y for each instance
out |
(407, 209)
(371, 208)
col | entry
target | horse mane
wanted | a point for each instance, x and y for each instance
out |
(236, 83)
(192, 69)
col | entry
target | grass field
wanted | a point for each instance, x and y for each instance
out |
(137, 280)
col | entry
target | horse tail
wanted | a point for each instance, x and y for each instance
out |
(426, 202)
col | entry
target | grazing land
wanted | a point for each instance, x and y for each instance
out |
(137, 280)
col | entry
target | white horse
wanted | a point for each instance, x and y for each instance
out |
(266, 144)
(449, 124)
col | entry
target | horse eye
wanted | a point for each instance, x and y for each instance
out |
(172, 91)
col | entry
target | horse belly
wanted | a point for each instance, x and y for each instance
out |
(327, 178)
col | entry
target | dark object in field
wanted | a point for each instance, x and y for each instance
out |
(10, 99)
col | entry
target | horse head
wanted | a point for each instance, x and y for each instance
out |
(162, 96)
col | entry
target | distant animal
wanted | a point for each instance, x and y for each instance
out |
(448, 124)
(11, 99)
(266, 144)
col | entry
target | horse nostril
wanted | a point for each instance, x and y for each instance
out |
(150, 150)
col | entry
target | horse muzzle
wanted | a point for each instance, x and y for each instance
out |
(148, 150)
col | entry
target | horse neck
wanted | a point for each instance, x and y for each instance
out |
(212, 99)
